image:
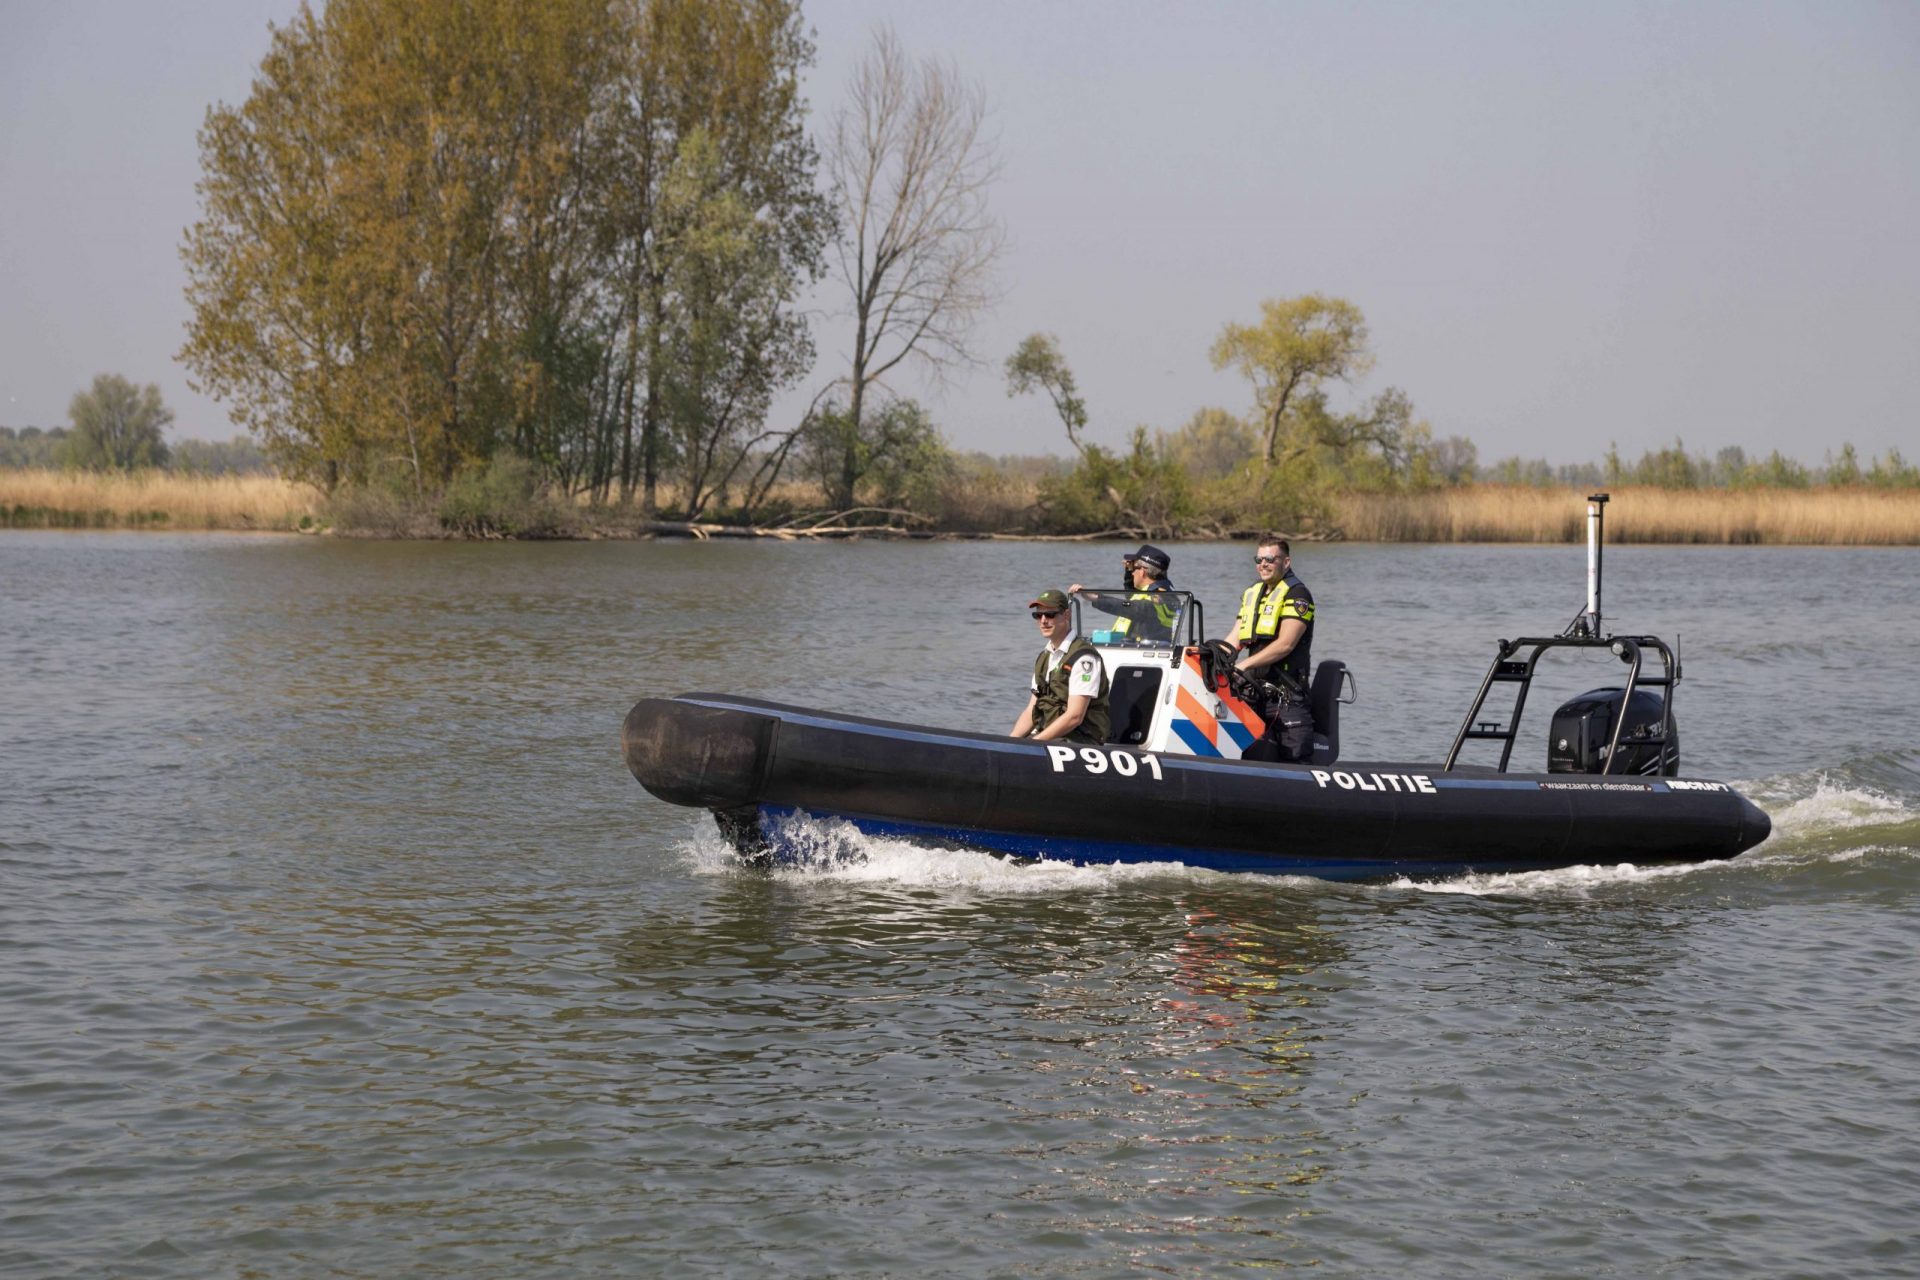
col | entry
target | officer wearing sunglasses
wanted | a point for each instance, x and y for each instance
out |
(1067, 697)
(1274, 636)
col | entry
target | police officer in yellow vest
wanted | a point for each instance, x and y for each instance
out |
(1068, 693)
(1274, 635)
(1146, 614)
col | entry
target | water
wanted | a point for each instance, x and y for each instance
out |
(335, 940)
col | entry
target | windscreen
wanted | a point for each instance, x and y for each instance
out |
(1132, 619)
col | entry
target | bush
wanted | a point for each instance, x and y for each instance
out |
(500, 498)
(1145, 492)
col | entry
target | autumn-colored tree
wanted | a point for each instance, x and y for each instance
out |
(429, 233)
(382, 218)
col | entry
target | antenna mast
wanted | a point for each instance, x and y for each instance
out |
(1596, 517)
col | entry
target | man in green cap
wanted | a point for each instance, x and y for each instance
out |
(1068, 693)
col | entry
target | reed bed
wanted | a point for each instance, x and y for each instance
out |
(1852, 517)
(35, 498)
(991, 502)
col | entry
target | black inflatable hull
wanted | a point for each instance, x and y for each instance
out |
(758, 765)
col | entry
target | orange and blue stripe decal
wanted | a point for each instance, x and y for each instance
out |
(1201, 729)
(1247, 722)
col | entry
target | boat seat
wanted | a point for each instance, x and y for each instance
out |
(1130, 699)
(1323, 700)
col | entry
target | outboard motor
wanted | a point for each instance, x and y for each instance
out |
(1583, 727)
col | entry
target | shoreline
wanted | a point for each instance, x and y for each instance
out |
(160, 502)
(156, 530)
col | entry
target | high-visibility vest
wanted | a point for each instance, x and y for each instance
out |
(1262, 609)
(1165, 609)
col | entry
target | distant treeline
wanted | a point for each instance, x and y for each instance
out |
(53, 448)
(1729, 468)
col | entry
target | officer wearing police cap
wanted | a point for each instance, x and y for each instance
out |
(1145, 614)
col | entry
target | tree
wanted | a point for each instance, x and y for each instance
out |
(908, 170)
(435, 232)
(1212, 444)
(1456, 460)
(386, 219)
(728, 70)
(1299, 344)
(899, 457)
(730, 337)
(117, 426)
(1037, 363)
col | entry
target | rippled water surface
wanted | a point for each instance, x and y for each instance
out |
(335, 939)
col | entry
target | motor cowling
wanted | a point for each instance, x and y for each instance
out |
(1583, 726)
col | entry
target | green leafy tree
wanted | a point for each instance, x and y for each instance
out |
(1456, 460)
(1212, 444)
(1036, 364)
(1298, 345)
(1893, 472)
(238, 456)
(360, 279)
(1844, 470)
(1729, 464)
(727, 71)
(730, 331)
(909, 473)
(1142, 492)
(1780, 472)
(32, 447)
(1671, 468)
(117, 426)
(899, 456)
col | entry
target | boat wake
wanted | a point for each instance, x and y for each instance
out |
(1862, 811)
(831, 849)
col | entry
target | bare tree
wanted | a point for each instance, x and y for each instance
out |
(909, 171)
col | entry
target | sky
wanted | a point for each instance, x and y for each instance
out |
(1569, 225)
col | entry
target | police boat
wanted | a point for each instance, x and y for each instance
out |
(1169, 784)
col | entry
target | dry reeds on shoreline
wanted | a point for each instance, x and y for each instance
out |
(38, 498)
(1835, 516)
(1849, 516)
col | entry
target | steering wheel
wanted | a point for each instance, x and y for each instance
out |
(1239, 683)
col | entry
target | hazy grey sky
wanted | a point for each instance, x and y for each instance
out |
(1567, 224)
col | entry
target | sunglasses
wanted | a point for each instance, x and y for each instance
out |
(1267, 559)
(1048, 613)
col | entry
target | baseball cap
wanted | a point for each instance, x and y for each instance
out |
(1049, 599)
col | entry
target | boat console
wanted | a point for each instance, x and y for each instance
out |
(1171, 690)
